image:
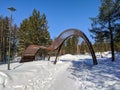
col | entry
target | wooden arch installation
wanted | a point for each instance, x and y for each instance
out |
(31, 51)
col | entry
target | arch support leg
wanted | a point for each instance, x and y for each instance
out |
(49, 57)
(57, 54)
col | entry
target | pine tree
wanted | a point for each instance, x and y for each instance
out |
(4, 30)
(1, 30)
(68, 46)
(24, 35)
(14, 40)
(106, 21)
(33, 30)
(117, 38)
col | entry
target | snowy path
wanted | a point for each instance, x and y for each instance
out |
(70, 73)
(29, 76)
(63, 81)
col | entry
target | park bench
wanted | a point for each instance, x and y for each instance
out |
(31, 51)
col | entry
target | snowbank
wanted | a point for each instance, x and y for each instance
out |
(72, 72)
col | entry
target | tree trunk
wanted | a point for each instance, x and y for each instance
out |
(111, 41)
(112, 46)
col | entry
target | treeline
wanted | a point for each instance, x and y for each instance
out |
(70, 46)
(4, 38)
(76, 45)
(32, 30)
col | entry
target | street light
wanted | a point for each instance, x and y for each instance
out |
(12, 9)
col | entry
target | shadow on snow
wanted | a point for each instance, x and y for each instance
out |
(105, 75)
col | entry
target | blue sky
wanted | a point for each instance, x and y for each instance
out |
(61, 14)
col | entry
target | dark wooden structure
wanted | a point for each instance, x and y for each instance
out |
(31, 51)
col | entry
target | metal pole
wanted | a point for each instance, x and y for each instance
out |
(10, 28)
(9, 42)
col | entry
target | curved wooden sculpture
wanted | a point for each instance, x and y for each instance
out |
(31, 51)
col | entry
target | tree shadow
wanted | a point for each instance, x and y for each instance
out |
(18, 65)
(105, 75)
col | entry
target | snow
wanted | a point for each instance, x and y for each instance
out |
(72, 72)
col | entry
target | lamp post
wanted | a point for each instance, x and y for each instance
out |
(11, 9)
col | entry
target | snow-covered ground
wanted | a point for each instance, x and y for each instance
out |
(72, 72)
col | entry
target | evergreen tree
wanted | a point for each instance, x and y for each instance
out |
(75, 44)
(1, 34)
(24, 35)
(82, 47)
(14, 40)
(70, 45)
(106, 21)
(4, 31)
(62, 51)
(117, 39)
(33, 30)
